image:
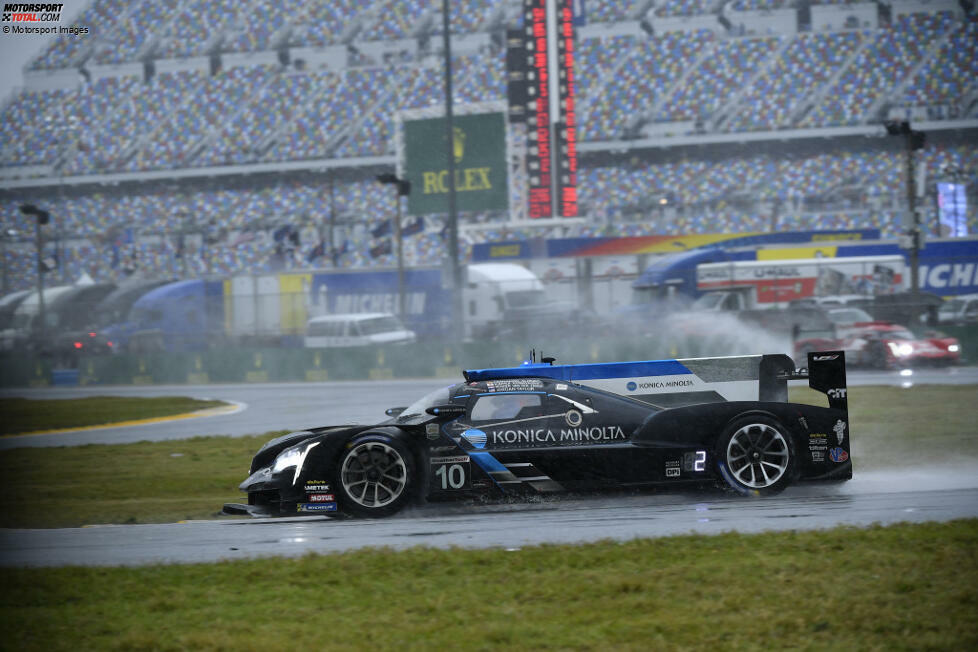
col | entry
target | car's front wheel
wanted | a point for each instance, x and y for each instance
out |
(375, 476)
(754, 456)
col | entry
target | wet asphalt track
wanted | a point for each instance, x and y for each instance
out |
(940, 493)
(862, 502)
(294, 406)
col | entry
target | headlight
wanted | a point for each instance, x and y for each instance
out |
(953, 348)
(900, 350)
(293, 457)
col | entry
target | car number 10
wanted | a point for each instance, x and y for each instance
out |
(451, 476)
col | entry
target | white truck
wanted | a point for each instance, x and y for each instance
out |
(760, 284)
(498, 297)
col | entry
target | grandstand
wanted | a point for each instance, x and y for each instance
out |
(172, 145)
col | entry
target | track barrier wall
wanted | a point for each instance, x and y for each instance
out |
(419, 360)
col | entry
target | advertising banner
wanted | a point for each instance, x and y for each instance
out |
(479, 148)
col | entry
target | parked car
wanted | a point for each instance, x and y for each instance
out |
(959, 310)
(356, 329)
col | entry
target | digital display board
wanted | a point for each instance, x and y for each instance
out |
(538, 119)
(566, 137)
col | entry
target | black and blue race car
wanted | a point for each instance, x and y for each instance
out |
(544, 427)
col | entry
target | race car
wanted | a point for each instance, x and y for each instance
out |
(884, 345)
(542, 428)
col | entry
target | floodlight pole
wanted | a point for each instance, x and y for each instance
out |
(39, 243)
(403, 187)
(5, 237)
(40, 217)
(449, 148)
(400, 256)
(913, 140)
(914, 222)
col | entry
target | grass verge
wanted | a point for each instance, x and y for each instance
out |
(22, 415)
(146, 482)
(896, 427)
(904, 587)
(156, 482)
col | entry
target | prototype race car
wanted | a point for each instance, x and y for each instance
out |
(542, 428)
(884, 345)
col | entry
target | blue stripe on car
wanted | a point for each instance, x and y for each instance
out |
(486, 461)
(572, 372)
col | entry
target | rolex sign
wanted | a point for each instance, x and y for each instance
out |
(479, 151)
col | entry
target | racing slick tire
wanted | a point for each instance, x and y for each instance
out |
(755, 456)
(375, 476)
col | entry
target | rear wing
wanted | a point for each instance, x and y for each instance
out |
(671, 383)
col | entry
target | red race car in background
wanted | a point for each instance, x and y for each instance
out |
(879, 344)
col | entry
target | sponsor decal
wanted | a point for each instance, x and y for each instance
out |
(824, 358)
(573, 418)
(543, 436)
(818, 445)
(804, 422)
(659, 384)
(322, 498)
(316, 485)
(837, 393)
(315, 507)
(475, 437)
(431, 431)
(561, 386)
(457, 427)
(514, 385)
(840, 430)
(673, 469)
(777, 272)
(838, 455)
(454, 459)
(631, 386)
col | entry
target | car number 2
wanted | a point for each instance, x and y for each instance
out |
(452, 476)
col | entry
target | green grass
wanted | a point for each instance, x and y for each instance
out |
(905, 587)
(895, 427)
(146, 482)
(21, 415)
(167, 481)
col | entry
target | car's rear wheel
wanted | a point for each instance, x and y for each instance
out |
(375, 476)
(755, 456)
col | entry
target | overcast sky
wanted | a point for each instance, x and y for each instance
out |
(17, 49)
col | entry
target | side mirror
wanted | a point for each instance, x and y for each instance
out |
(393, 412)
(448, 410)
